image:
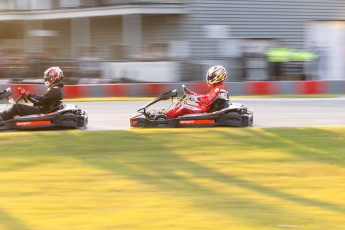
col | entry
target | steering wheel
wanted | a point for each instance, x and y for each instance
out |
(185, 90)
(21, 97)
(184, 97)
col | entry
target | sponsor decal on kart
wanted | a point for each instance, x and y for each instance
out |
(134, 122)
(33, 123)
(196, 122)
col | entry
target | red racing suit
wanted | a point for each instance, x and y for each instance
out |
(203, 102)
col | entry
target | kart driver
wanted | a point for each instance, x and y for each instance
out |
(46, 103)
(216, 99)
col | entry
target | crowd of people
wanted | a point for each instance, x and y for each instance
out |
(272, 64)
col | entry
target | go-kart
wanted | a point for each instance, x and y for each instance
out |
(64, 116)
(233, 115)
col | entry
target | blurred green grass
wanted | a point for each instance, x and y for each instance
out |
(208, 178)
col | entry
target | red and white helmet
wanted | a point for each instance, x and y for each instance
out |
(215, 75)
(52, 76)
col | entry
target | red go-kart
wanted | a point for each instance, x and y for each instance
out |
(232, 114)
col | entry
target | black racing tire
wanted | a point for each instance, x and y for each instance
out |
(161, 117)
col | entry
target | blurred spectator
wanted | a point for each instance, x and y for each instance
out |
(318, 66)
(89, 64)
(2, 62)
(276, 56)
(39, 62)
(254, 64)
(153, 52)
(243, 60)
(304, 59)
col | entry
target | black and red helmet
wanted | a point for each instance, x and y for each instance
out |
(52, 76)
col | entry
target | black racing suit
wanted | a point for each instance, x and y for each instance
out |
(47, 103)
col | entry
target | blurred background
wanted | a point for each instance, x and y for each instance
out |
(111, 41)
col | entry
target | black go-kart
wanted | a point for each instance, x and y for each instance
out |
(65, 116)
(232, 115)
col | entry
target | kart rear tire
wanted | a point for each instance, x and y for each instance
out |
(161, 117)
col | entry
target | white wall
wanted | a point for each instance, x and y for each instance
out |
(327, 37)
(142, 71)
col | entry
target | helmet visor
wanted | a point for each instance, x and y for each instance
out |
(210, 77)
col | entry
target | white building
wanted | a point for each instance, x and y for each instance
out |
(167, 40)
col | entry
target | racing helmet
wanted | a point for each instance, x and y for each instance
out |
(52, 76)
(215, 75)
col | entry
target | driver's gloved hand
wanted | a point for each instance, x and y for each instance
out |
(193, 97)
(23, 92)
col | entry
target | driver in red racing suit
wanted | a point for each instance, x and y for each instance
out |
(216, 99)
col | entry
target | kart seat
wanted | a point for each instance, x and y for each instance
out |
(219, 104)
(61, 106)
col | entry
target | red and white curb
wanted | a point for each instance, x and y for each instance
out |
(154, 89)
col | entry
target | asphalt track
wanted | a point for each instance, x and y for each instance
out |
(268, 112)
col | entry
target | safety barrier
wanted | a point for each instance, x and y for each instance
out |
(249, 88)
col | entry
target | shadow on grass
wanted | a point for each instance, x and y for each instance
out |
(312, 144)
(155, 164)
(146, 157)
(11, 223)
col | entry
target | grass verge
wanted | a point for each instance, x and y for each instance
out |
(216, 178)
